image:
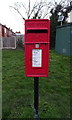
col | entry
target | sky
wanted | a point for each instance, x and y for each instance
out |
(11, 18)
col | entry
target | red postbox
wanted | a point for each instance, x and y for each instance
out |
(37, 42)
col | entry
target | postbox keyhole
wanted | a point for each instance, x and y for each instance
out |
(36, 45)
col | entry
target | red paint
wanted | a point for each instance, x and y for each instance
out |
(37, 31)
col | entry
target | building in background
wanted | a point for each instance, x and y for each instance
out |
(19, 36)
(19, 40)
(7, 38)
(63, 43)
(5, 31)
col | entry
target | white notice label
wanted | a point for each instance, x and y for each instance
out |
(37, 58)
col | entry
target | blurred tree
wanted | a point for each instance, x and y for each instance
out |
(58, 9)
(44, 9)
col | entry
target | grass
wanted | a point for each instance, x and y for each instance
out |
(18, 90)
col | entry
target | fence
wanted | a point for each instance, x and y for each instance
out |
(8, 43)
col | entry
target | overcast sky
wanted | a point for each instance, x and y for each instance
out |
(9, 17)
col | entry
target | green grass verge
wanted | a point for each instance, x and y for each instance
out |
(18, 90)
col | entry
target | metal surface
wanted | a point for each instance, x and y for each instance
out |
(36, 81)
(37, 31)
(64, 40)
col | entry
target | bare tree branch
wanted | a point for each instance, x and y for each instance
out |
(34, 7)
(29, 9)
(18, 12)
(38, 12)
(35, 12)
(26, 10)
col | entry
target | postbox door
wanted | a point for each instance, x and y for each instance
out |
(36, 67)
